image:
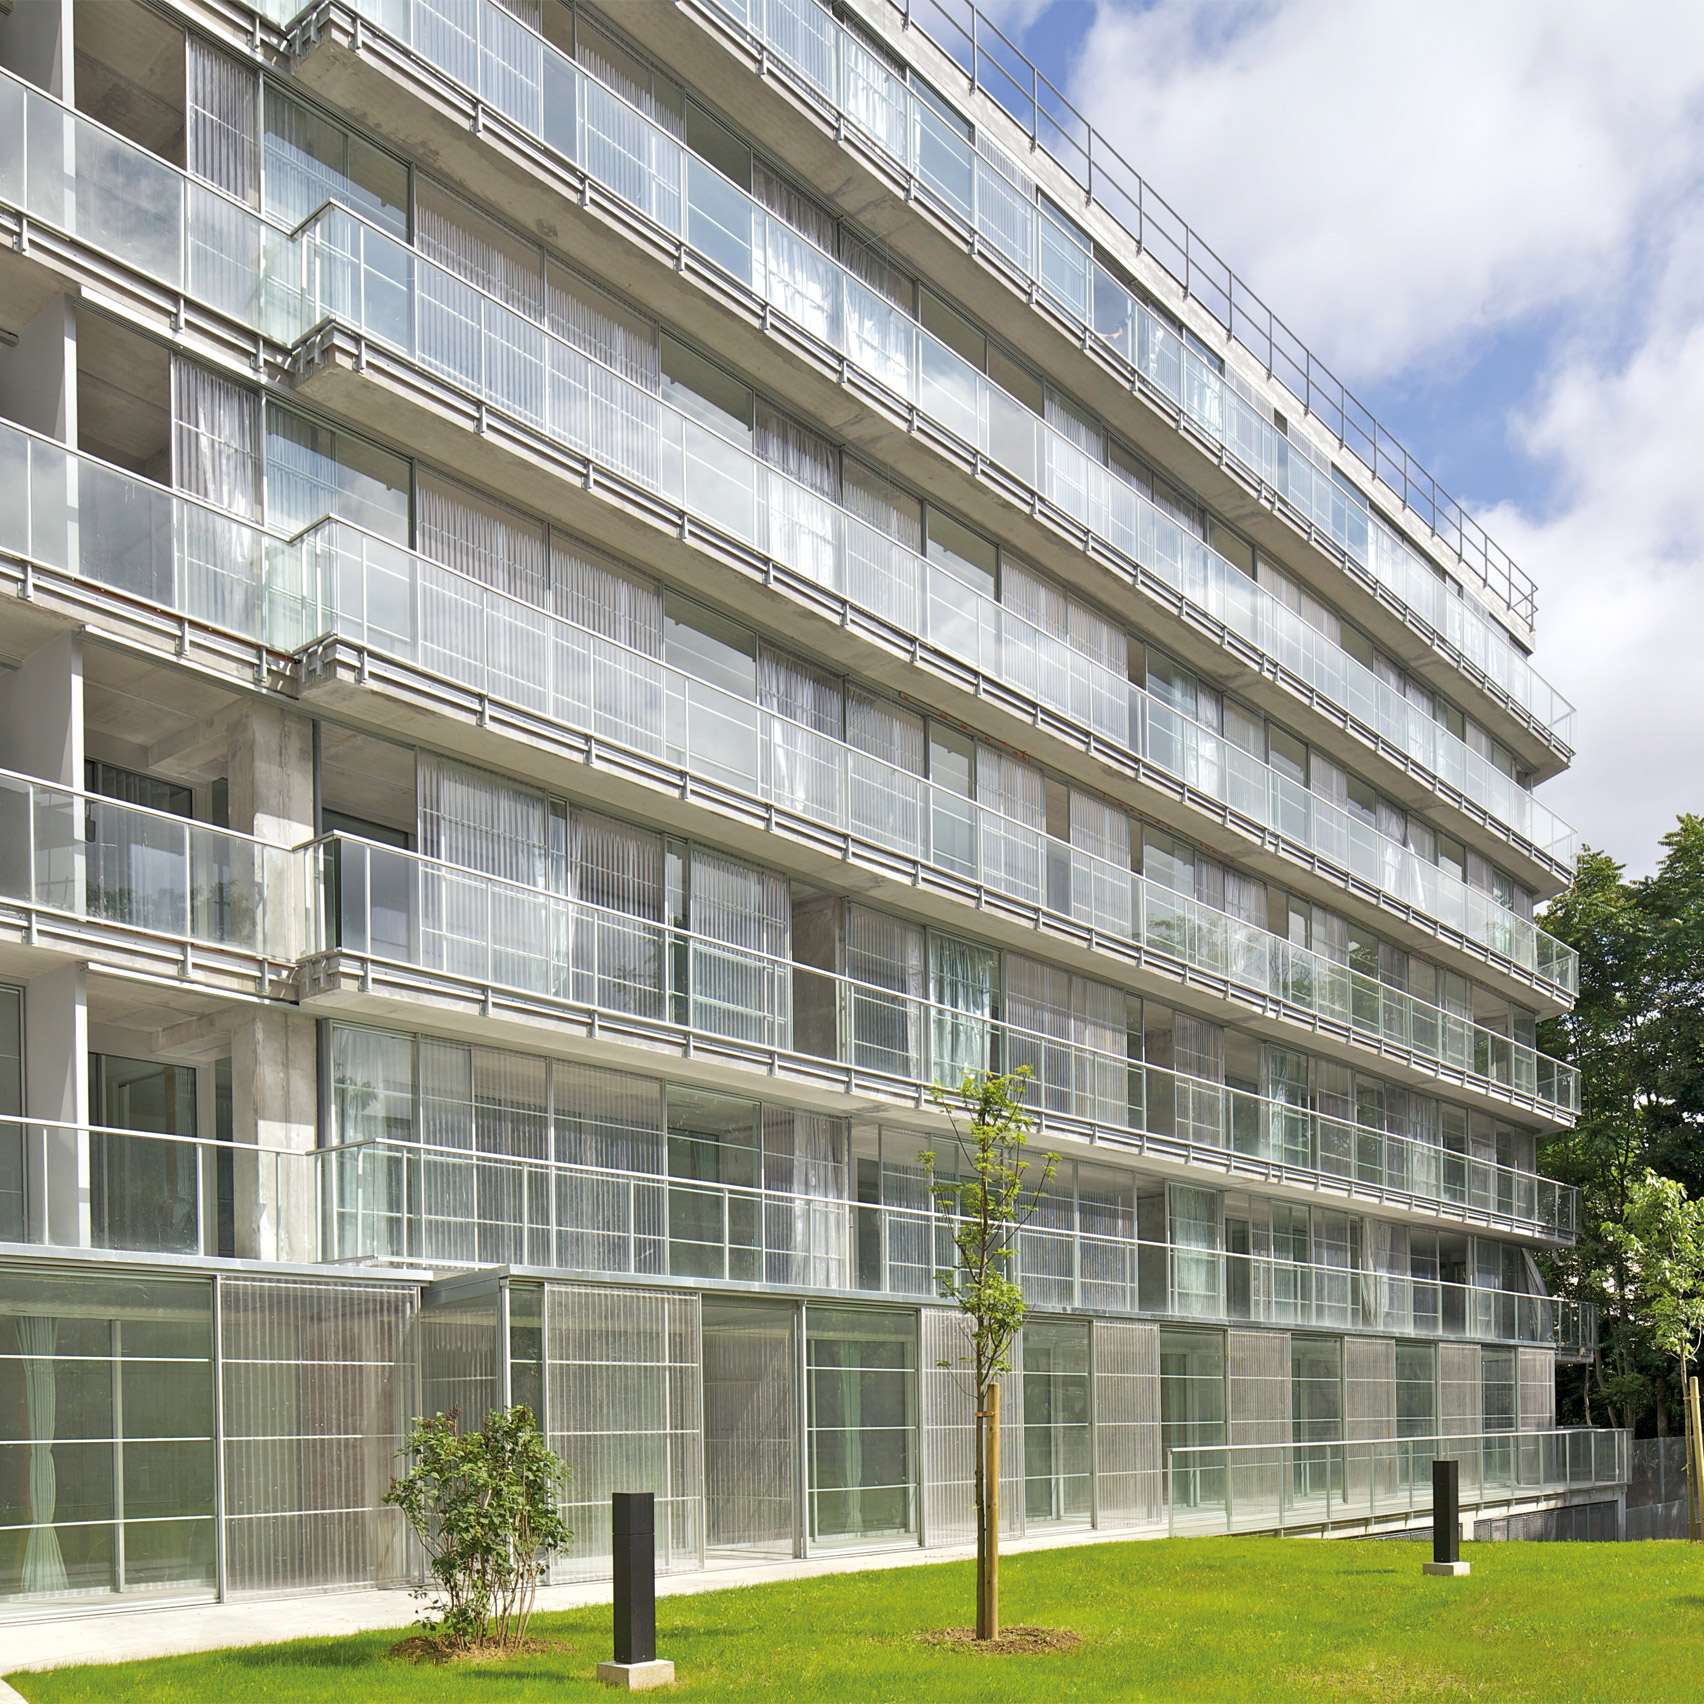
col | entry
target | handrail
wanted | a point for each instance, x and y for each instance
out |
(387, 906)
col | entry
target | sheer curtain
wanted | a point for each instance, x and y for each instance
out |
(885, 782)
(961, 985)
(807, 1233)
(885, 953)
(612, 401)
(476, 248)
(44, 1564)
(216, 451)
(1100, 883)
(806, 710)
(1015, 793)
(614, 677)
(882, 571)
(224, 109)
(799, 239)
(617, 869)
(800, 488)
(742, 918)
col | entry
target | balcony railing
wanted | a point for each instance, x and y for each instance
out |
(88, 1186)
(514, 71)
(383, 290)
(1276, 1487)
(405, 606)
(396, 908)
(791, 523)
(96, 859)
(639, 161)
(984, 190)
(445, 1206)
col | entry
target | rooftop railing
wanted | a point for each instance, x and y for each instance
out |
(383, 290)
(403, 605)
(388, 1200)
(1277, 1487)
(253, 271)
(554, 99)
(985, 191)
(396, 908)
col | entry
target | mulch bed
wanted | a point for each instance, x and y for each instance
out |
(1013, 1641)
(422, 1648)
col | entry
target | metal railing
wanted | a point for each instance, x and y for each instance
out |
(1277, 1487)
(880, 574)
(408, 607)
(984, 190)
(591, 126)
(95, 858)
(397, 908)
(387, 1200)
(68, 1185)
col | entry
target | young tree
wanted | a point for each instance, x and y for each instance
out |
(483, 1504)
(990, 1203)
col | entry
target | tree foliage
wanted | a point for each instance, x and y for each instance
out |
(483, 1504)
(990, 1194)
(1637, 1035)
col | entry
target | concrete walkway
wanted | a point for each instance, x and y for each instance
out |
(135, 1632)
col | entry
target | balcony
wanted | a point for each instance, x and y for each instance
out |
(440, 1206)
(514, 72)
(1311, 1487)
(642, 981)
(147, 886)
(127, 203)
(404, 606)
(472, 338)
(983, 190)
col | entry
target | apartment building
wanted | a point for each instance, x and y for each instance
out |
(592, 600)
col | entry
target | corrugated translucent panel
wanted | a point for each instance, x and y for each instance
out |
(1258, 1369)
(455, 1348)
(624, 1402)
(1459, 1406)
(313, 1416)
(949, 1435)
(1369, 1382)
(751, 1427)
(1537, 1389)
(1127, 1424)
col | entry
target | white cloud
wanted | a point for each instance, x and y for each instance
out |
(1395, 181)
(1389, 176)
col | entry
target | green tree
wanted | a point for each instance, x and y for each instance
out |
(1637, 1034)
(483, 1504)
(989, 1201)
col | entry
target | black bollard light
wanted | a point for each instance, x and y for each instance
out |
(633, 1527)
(1446, 1520)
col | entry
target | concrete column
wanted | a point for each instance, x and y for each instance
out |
(56, 1088)
(41, 713)
(38, 378)
(275, 1118)
(35, 43)
(270, 773)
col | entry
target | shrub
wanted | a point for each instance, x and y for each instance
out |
(483, 1504)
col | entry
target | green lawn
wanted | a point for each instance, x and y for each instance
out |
(1202, 1619)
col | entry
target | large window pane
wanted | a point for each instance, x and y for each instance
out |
(1056, 1421)
(862, 1370)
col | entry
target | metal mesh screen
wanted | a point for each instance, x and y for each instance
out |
(751, 1426)
(1537, 1374)
(312, 1417)
(1369, 1386)
(1257, 1365)
(1459, 1407)
(1127, 1424)
(624, 1404)
(949, 1436)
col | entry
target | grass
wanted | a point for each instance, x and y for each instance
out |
(1200, 1619)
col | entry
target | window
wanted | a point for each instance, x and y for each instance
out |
(310, 159)
(144, 1194)
(111, 782)
(861, 1367)
(313, 471)
(713, 1140)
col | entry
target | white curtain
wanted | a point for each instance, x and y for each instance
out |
(1010, 793)
(617, 869)
(614, 677)
(884, 953)
(216, 438)
(44, 1565)
(477, 536)
(481, 821)
(961, 985)
(223, 107)
(742, 918)
(488, 255)
(807, 1235)
(886, 789)
(800, 490)
(1100, 882)
(805, 720)
(882, 544)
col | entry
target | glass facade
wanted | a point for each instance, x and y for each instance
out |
(861, 1373)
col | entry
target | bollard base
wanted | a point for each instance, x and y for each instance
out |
(1453, 1570)
(637, 1677)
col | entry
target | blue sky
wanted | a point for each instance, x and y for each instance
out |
(1489, 220)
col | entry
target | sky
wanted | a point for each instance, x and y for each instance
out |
(1487, 217)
